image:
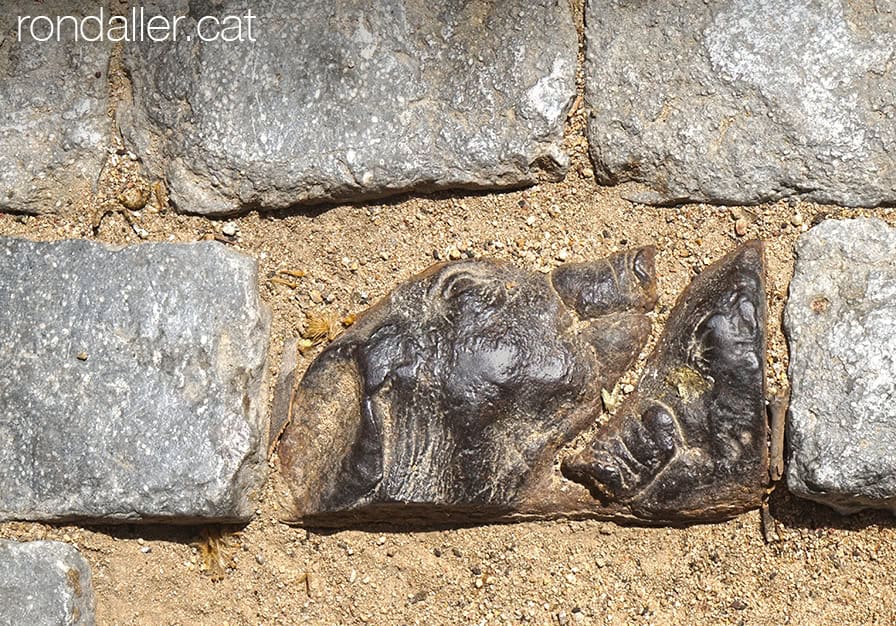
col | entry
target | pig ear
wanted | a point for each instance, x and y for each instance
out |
(332, 441)
(615, 294)
(617, 339)
(621, 282)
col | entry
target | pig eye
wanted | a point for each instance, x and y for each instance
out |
(643, 267)
(458, 283)
(472, 287)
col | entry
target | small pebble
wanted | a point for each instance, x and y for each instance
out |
(229, 229)
(134, 198)
(797, 219)
(454, 254)
(740, 226)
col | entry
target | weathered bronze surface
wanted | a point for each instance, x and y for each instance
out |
(452, 399)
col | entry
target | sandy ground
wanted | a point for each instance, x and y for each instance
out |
(824, 569)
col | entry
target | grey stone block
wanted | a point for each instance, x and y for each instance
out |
(130, 382)
(44, 583)
(744, 101)
(841, 326)
(345, 100)
(53, 99)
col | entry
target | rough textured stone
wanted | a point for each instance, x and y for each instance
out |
(841, 327)
(284, 392)
(450, 399)
(744, 101)
(348, 99)
(130, 381)
(44, 583)
(692, 441)
(53, 99)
